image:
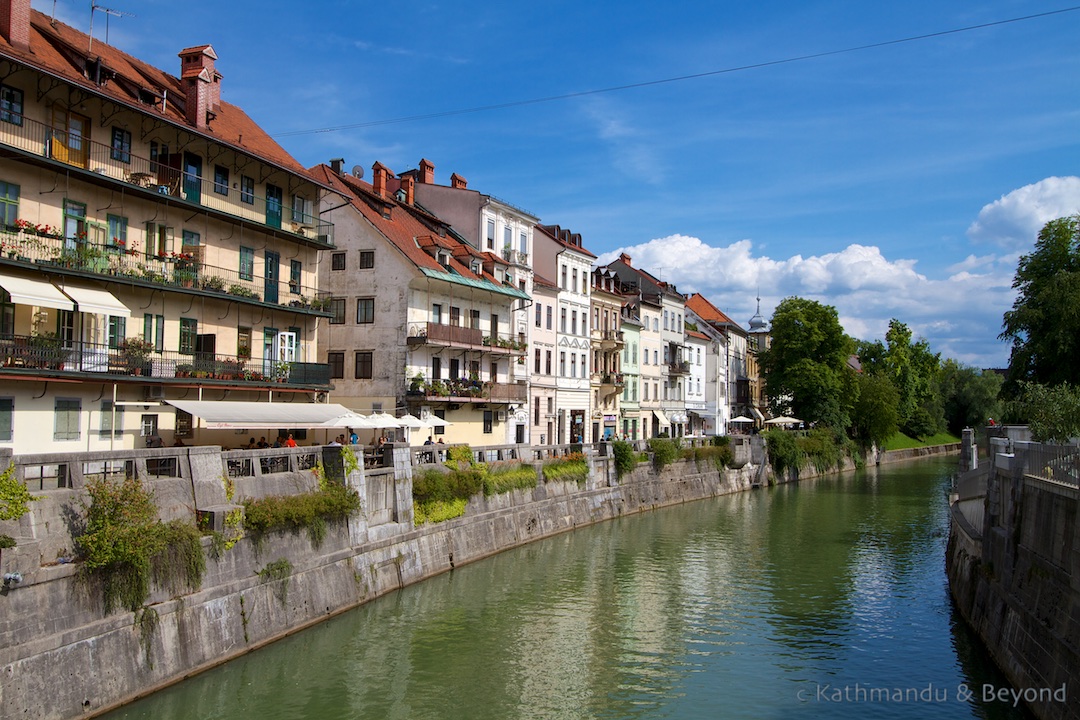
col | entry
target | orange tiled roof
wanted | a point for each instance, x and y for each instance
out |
(62, 51)
(706, 310)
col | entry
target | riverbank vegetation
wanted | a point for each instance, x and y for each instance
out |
(442, 493)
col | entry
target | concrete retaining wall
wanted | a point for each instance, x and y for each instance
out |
(1015, 577)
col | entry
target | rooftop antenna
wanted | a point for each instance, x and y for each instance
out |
(108, 11)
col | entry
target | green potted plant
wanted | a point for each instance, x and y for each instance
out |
(47, 351)
(136, 354)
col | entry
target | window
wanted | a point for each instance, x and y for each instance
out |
(337, 261)
(243, 342)
(474, 319)
(508, 237)
(336, 361)
(436, 368)
(7, 419)
(367, 259)
(183, 425)
(490, 234)
(562, 320)
(655, 358)
(363, 365)
(455, 316)
(148, 425)
(539, 314)
(646, 357)
(337, 307)
(11, 105)
(301, 209)
(108, 427)
(365, 311)
(547, 362)
(494, 325)
(117, 331)
(549, 313)
(536, 410)
(247, 190)
(296, 268)
(536, 361)
(455, 368)
(118, 226)
(573, 283)
(645, 391)
(154, 330)
(656, 324)
(247, 263)
(665, 319)
(67, 413)
(573, 364)
(436, 314)
(159, 239)
(9, 204)
(562, 282)
(562, 363)
(573, 322)
(189, 329)
(524, 243)
(488, 417)
(221, 180)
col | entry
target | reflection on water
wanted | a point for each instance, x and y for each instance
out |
(758, 605)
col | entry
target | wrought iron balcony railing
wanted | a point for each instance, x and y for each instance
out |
(464, 390)
(32, 354)
(679, 367)
(73, 149)
(453, 335)
(175, 270)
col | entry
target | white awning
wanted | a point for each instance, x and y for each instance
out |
(25, 291)
(757, 413)
(96, 301)
(661, 417)
(223, 414)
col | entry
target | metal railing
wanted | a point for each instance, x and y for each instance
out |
(431, 333)
(516, 257)
(175, 270)
(1057, 463)
(72, 149)
(679, 367)
(464, 390)
(48, 352)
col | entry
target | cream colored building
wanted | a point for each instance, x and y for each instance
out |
(157, 244)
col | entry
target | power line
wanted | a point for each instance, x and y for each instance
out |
(679, 78)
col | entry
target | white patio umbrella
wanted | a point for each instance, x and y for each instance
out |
(741, 419)
(783, 420)
(413, 422)
(383, 420)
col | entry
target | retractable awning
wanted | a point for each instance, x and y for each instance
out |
(96, 301)
(225, 414)
(25, 291)
(661, 417)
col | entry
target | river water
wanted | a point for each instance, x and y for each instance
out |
(825, 599)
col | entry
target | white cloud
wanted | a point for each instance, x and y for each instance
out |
(959, 315)
(1013, 221)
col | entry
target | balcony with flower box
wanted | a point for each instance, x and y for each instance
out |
(137, 360)
(106, 165)
(463, 390)
(455, 336)
(45, 248)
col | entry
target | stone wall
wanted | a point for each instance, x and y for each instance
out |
(1016, 577)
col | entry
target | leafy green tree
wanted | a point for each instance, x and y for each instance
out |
(969, 395)
(875, 417)
(1053, 413)
(913, 370)
(805, 369)
(1044, 323)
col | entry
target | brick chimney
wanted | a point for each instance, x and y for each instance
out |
(427, 172)
(457, 182)
(408, 187)
(201, 83)
(15, 23)
(625, 259)
(379, 174)
(336, 165)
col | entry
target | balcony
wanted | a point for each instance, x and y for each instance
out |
(440, 335)
(679, 367)
(467, 391)
(515, 257)
(177, 271)
(39, 140)
(612, 383)
(37, 355)
(611, 339)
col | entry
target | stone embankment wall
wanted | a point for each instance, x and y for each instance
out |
(62, 657)
(1013, 563)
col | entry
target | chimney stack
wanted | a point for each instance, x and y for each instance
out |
(625, 259)
(427, 172)
(457, 182)
(408, 187)
(201, 83)
(15, 23)
(379, 174)
(336, 165)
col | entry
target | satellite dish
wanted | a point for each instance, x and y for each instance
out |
(358, 171)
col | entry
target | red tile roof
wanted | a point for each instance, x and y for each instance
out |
(706, 310)
(62, 51)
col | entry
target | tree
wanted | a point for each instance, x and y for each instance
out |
(913, 370)
(805, 369)
(969, 395)
(1044, 323)
(875, 418)
(1053, 413)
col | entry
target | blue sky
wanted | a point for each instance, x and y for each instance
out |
(901, 181)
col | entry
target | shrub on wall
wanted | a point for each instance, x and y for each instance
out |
(125, 546)
(15, 499)
(625, 458)
(569, 468)
(664, 452)
(310, 510)
(783, 450)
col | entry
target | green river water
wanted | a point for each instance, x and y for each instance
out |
(825, 599)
